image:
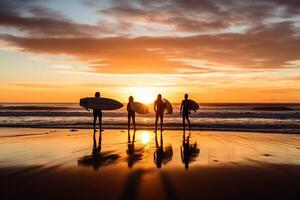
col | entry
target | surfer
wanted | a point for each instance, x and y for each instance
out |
(185, 111)
(159, 111)
(97, 114)
(131, 113)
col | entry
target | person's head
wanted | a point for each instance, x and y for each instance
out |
(130, 99)
(159, 97)
(97, 94)
(186, 96)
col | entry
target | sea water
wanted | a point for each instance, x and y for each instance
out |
(221, 116)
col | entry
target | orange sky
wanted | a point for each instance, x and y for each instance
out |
(240, 51)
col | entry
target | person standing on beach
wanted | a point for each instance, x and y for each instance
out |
(97, 114)
(185, 111)
(131, 113)
(159, 111)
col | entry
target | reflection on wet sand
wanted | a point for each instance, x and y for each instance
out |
(189, 152)
(162, 155)
(98, 158)
(134, 153)
(129, 165)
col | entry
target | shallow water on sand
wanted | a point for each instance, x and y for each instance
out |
(144, 149)
(65, 164)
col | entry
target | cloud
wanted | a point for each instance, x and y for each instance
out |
(198, 16)
(266, 47)
(45, 22)
(259, 46)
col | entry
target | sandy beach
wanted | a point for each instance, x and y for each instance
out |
(65, 164)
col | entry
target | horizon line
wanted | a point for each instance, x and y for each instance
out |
(298, 102)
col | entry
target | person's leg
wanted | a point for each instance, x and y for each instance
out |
(187, 118)
(128, 136)
(95, 120)
(183, 121)
(94, 140)
(128, 123)
(100, 122)
(133, 120)
(156, 120)
(161, 121)
(133, 137)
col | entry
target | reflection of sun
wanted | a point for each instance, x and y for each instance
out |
(143, 94)
(145, 137)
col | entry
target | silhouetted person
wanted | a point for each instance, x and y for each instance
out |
(159, 111)
(188, 151)
(131, 113)
(185, 111)
(97, 114)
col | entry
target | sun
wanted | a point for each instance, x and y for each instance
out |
(145, 137)
(145, 95)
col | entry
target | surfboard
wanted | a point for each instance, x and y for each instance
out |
(139, 107)
(168, 107)
(100, 103)
(193, 105)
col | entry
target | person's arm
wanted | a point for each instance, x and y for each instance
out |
(155, 106)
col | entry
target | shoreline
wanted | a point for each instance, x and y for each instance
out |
(269, 131)
(59, 164)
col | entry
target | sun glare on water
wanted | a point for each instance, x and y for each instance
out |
(145, 137)
(143, 94)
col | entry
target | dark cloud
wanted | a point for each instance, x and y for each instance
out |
(184, 16)
(268, 47)
(201, 15)
(31, 18)
(46, 26)
(260, 46)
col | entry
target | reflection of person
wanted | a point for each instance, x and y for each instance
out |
(134, 154)
(97, 114)
(131, 113)
(97, 149)
(130, 143)
(97, 158)
(185, 110)
(159, 153)
(188, 151)
(159, 111)
(162, 155)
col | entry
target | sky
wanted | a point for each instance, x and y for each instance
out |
(216, 51)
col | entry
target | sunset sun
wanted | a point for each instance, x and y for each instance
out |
(143, 94)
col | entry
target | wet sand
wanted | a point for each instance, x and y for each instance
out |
(64, 164)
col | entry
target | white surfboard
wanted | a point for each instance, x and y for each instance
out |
(100, 103)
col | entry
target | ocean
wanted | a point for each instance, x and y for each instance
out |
(284, 118)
